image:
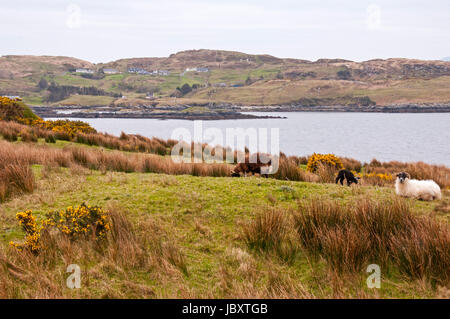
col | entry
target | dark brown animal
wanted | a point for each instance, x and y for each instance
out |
(247, 167)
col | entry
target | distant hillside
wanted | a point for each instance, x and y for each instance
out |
(446, 59)
(213, 76)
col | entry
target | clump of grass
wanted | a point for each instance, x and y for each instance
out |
(386, 233)
(10, 136)
(15, 178)
(27, 135)
(314, 216)
(288, 170)
(49, 138)
(270, 232)
(345, 248)
(326, 173)
(423, 251)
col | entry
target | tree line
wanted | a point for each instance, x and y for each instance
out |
(61, 92)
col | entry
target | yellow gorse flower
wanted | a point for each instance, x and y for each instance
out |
(77, 222)
(325, 159)
(60, 126)
(29, 225)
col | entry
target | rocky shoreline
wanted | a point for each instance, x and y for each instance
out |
(89, 112)
(226, 112)
(407, 108)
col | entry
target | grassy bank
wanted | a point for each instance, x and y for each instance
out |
(194, 228)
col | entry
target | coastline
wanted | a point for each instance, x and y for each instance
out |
(230, 112)
(406, 108)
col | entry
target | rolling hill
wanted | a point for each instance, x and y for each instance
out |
(225, 77)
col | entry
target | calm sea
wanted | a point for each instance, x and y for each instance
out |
(363, 136)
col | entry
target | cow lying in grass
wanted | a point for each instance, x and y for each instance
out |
(249, 166)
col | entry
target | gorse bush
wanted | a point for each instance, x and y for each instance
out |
(33, 232)
(80, 222)
(329, 160)
(14, 109)
(60, 126)
(83, 220)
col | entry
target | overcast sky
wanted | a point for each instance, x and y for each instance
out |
(105, 30)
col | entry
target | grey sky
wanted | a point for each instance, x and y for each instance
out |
(105, 30)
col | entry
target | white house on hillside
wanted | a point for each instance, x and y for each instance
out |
(110, 71)
(83, 70)
(196, 70)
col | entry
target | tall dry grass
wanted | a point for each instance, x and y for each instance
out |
(16, 177)
(351, 236)
(351, 164)
(386, 233)
(99, 159)
(288, 170)
(269, 232)
(11, 131)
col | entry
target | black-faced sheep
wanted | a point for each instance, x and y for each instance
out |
(424, 190)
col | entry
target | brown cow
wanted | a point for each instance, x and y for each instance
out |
(247, 167)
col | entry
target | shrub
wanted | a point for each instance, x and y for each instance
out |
(13, 109)
(33, 232)
(80, 222)
(330, 160)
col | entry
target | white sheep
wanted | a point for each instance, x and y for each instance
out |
(424, 190)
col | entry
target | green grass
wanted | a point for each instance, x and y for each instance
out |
(203, 215)
(33, 100)
(86, 100)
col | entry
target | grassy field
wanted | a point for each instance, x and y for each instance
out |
(87, 100)
(203, 218)
(183, 230)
